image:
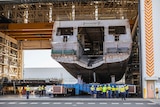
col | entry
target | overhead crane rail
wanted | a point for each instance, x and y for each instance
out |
(30, 31)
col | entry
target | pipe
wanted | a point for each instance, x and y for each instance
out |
(94, 77)
(134, 27)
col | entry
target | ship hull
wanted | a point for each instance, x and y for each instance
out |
(103, 73)
(96, 50)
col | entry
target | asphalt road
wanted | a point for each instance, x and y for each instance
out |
(77, 103)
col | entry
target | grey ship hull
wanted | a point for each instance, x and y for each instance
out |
(103, 72)
(93, 49)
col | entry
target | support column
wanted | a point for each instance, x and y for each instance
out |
(79, 78)
(112, 78)
(149, 49)
(94, 77)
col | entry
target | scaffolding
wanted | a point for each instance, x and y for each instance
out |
(10, 58)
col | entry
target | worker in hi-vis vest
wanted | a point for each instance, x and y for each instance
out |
(40, 90)
(127, 89)
(123, 92)
(92, 90)
(113, 91)
(109, 91)
(27, 91)
(98, 91)
(117, 91)
(104, 91)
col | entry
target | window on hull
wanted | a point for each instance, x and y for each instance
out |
(117, 30)
(65, 31)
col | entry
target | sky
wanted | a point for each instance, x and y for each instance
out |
(39, 59)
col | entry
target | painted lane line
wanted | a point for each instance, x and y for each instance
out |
(23, 103)
(139, 103)
(102, 103)
(151, 103)
(12, 103)
(115, 103)
(2, 102)
(34, 103)
(126, 103)
(79, 103)
(91, 103)
(57, 103)
(67, 103)
(46, 103)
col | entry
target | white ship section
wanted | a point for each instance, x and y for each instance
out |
(94, 49)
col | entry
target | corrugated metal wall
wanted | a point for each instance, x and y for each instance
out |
(49, 73)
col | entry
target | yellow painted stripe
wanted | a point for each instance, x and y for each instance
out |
(149, 38)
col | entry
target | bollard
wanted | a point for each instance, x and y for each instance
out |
(157, 93)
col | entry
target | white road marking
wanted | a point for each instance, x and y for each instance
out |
(91, 103)
(79, 103)
(57, 103)
(139, 103)
(12, 103)
(67, 103)
(115, 103)
(103, 103)
(2, 102)
(46, 103)
(34, 103)
(23, 103)
(126, 103)
(151, 103)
